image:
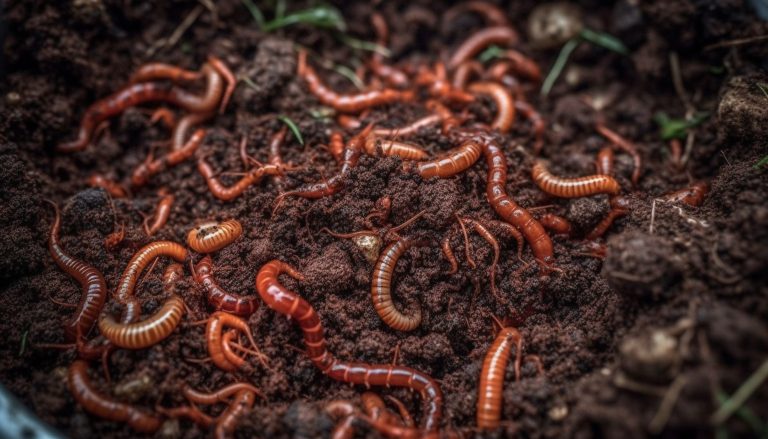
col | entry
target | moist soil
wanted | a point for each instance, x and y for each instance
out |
(647, 341)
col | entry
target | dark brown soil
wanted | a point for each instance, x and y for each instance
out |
(680, 301)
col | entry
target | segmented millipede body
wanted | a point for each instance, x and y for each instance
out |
(94, 287)
(556, 223)
(499, 35)
(286, 302)
(451, 163)
(537, 123)
(148, 332)
(352, 103)
(626, 146)
(240, 405)
(213, 236)
(693, 195)
(102, 406)
(229, 193)
(213, 337)
(505, 104)
(511, 212)
(407, 130)
(124, 293)
(162, 213)
(336, 146)
(381, 288)
(404, 150)
(490, 389)
(573, 187)
(114, 189)
(219, 298)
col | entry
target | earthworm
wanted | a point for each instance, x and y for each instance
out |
(113, 188)
(207, 103)
(391, 75)
(537, 123)
(452, 163)
(493, 242)
(348, 122)
(556, 223)
(406, 151)
(626, 146)
(94, 287)
(516, 63)
(192, 413)
(180, 138)
(573, 187)
(165, 115)
(352, 152)
(336, 146)
(115, 238)
(218, 396)
(275, 143)
(226, 349)
(619, 207)
(492, 14)
(159, 71)
(124, 293)
(511, 212)
(409, 129)
(213, 236)
(219, 298)
(351, 103)
(227, 421)
(140, 335)
(102, 406)
(465, 71)
(229, 78)
(286, 302)
(162, 213)
(229, 193)
(505, 104)
(436, 80)
(150, 167)
(604, 161)
(381, 288)
(501, 35)
(693, 195)
(509, 230)
(213, 336)
(449, 121)
(675, 153)
(445, 246)
(346, 411)
(490, 389)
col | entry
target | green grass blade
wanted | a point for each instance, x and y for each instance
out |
(258, 17)
(320, 16)
(604, 40)
(293, 127)
(492, 52)
(363, 45)
(559, 65)
(742, 394)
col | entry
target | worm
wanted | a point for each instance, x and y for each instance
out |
(505, 106)
(94, 287)
(517, 64)
(490, 389)
(406, 151)
(346, 411)
(465, 71)
(229, 193)
(286, 302)
(676, 153)
(115, 238)
(218, 396)
(229, 78)
(452, 163)
(449, 121)
(213, 236)
(511, 212)
(556, 223)
(348, 122)
(537, 123)
(619, 207)
(445, 246)
(164, 115)
(162, 213)
(493, 242)
(336, 146)
(500, 35)
(351, 103)
(158, 71)
(381, 288)
(152, 330)
(407, 130)
(207, 103)
(436, 80)
(102, 406)
(391, 75)
(626, 146)
(275, 143)
(114, 189)
(226, 349)
(492, 14)
(604, 161)
(124, 293)
(509, 230)
(219, 298)
(573, 187)
(240, 405)
(213, 336)
(150, 167)
(693, 195)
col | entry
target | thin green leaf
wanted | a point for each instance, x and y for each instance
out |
(322, 113)
(763, 88)
(249, 82)
(293, 127)
(559, 65)
(745, 413)
(677, 128)
(742, 394)
(490, 53)
(363, 45)
(320, 16)
(349, 74)
(23, 343)
(258, 17)
(763, 161)
(280, 7)
(604, 40)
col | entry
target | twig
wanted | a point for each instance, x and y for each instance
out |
(653, 215)
(742, 395)
(690, 110)
(736, 42)
(671, 396)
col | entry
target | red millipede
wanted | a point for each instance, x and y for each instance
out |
(102, 406)
(626, 146)
(693, 195)
(537, 123)
(94, 287)
(381, 288)
(229, 193)
(573, 187)
(219, 298)
(604, 161)
(452, 163)
(213, 236)
(113, 188)
(500, 35)
(406, 151)
(505, 104)
(556, 223)
(511, 212)
(148, 332)
(213, 336)
(352, 103)
(286, 302)
(162, 213)
(490, 389)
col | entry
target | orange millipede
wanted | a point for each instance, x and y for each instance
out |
(693, 195)
(219, 298)
(213, 335)
(556, 223)
(113, 188)
(162, 213)
(573, 187)
(604, 161)
(490, 389)
(102, 406)
(229, 193)
(94, 287)
(213, 236)
(500, 35)
(148, 332)
(288, 303)
(406, 151)
(381, 288)
(451, 163)
(505, 105)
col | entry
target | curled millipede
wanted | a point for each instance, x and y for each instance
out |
(505, 104)
(213, 335)
(286, 302)
(490, 389)
(213, 236)
(499, 35)
(219, 298)
(94, 287)
(148, 332)
(97, 404)
(451, 163)
(381, 288)
(573, 187)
